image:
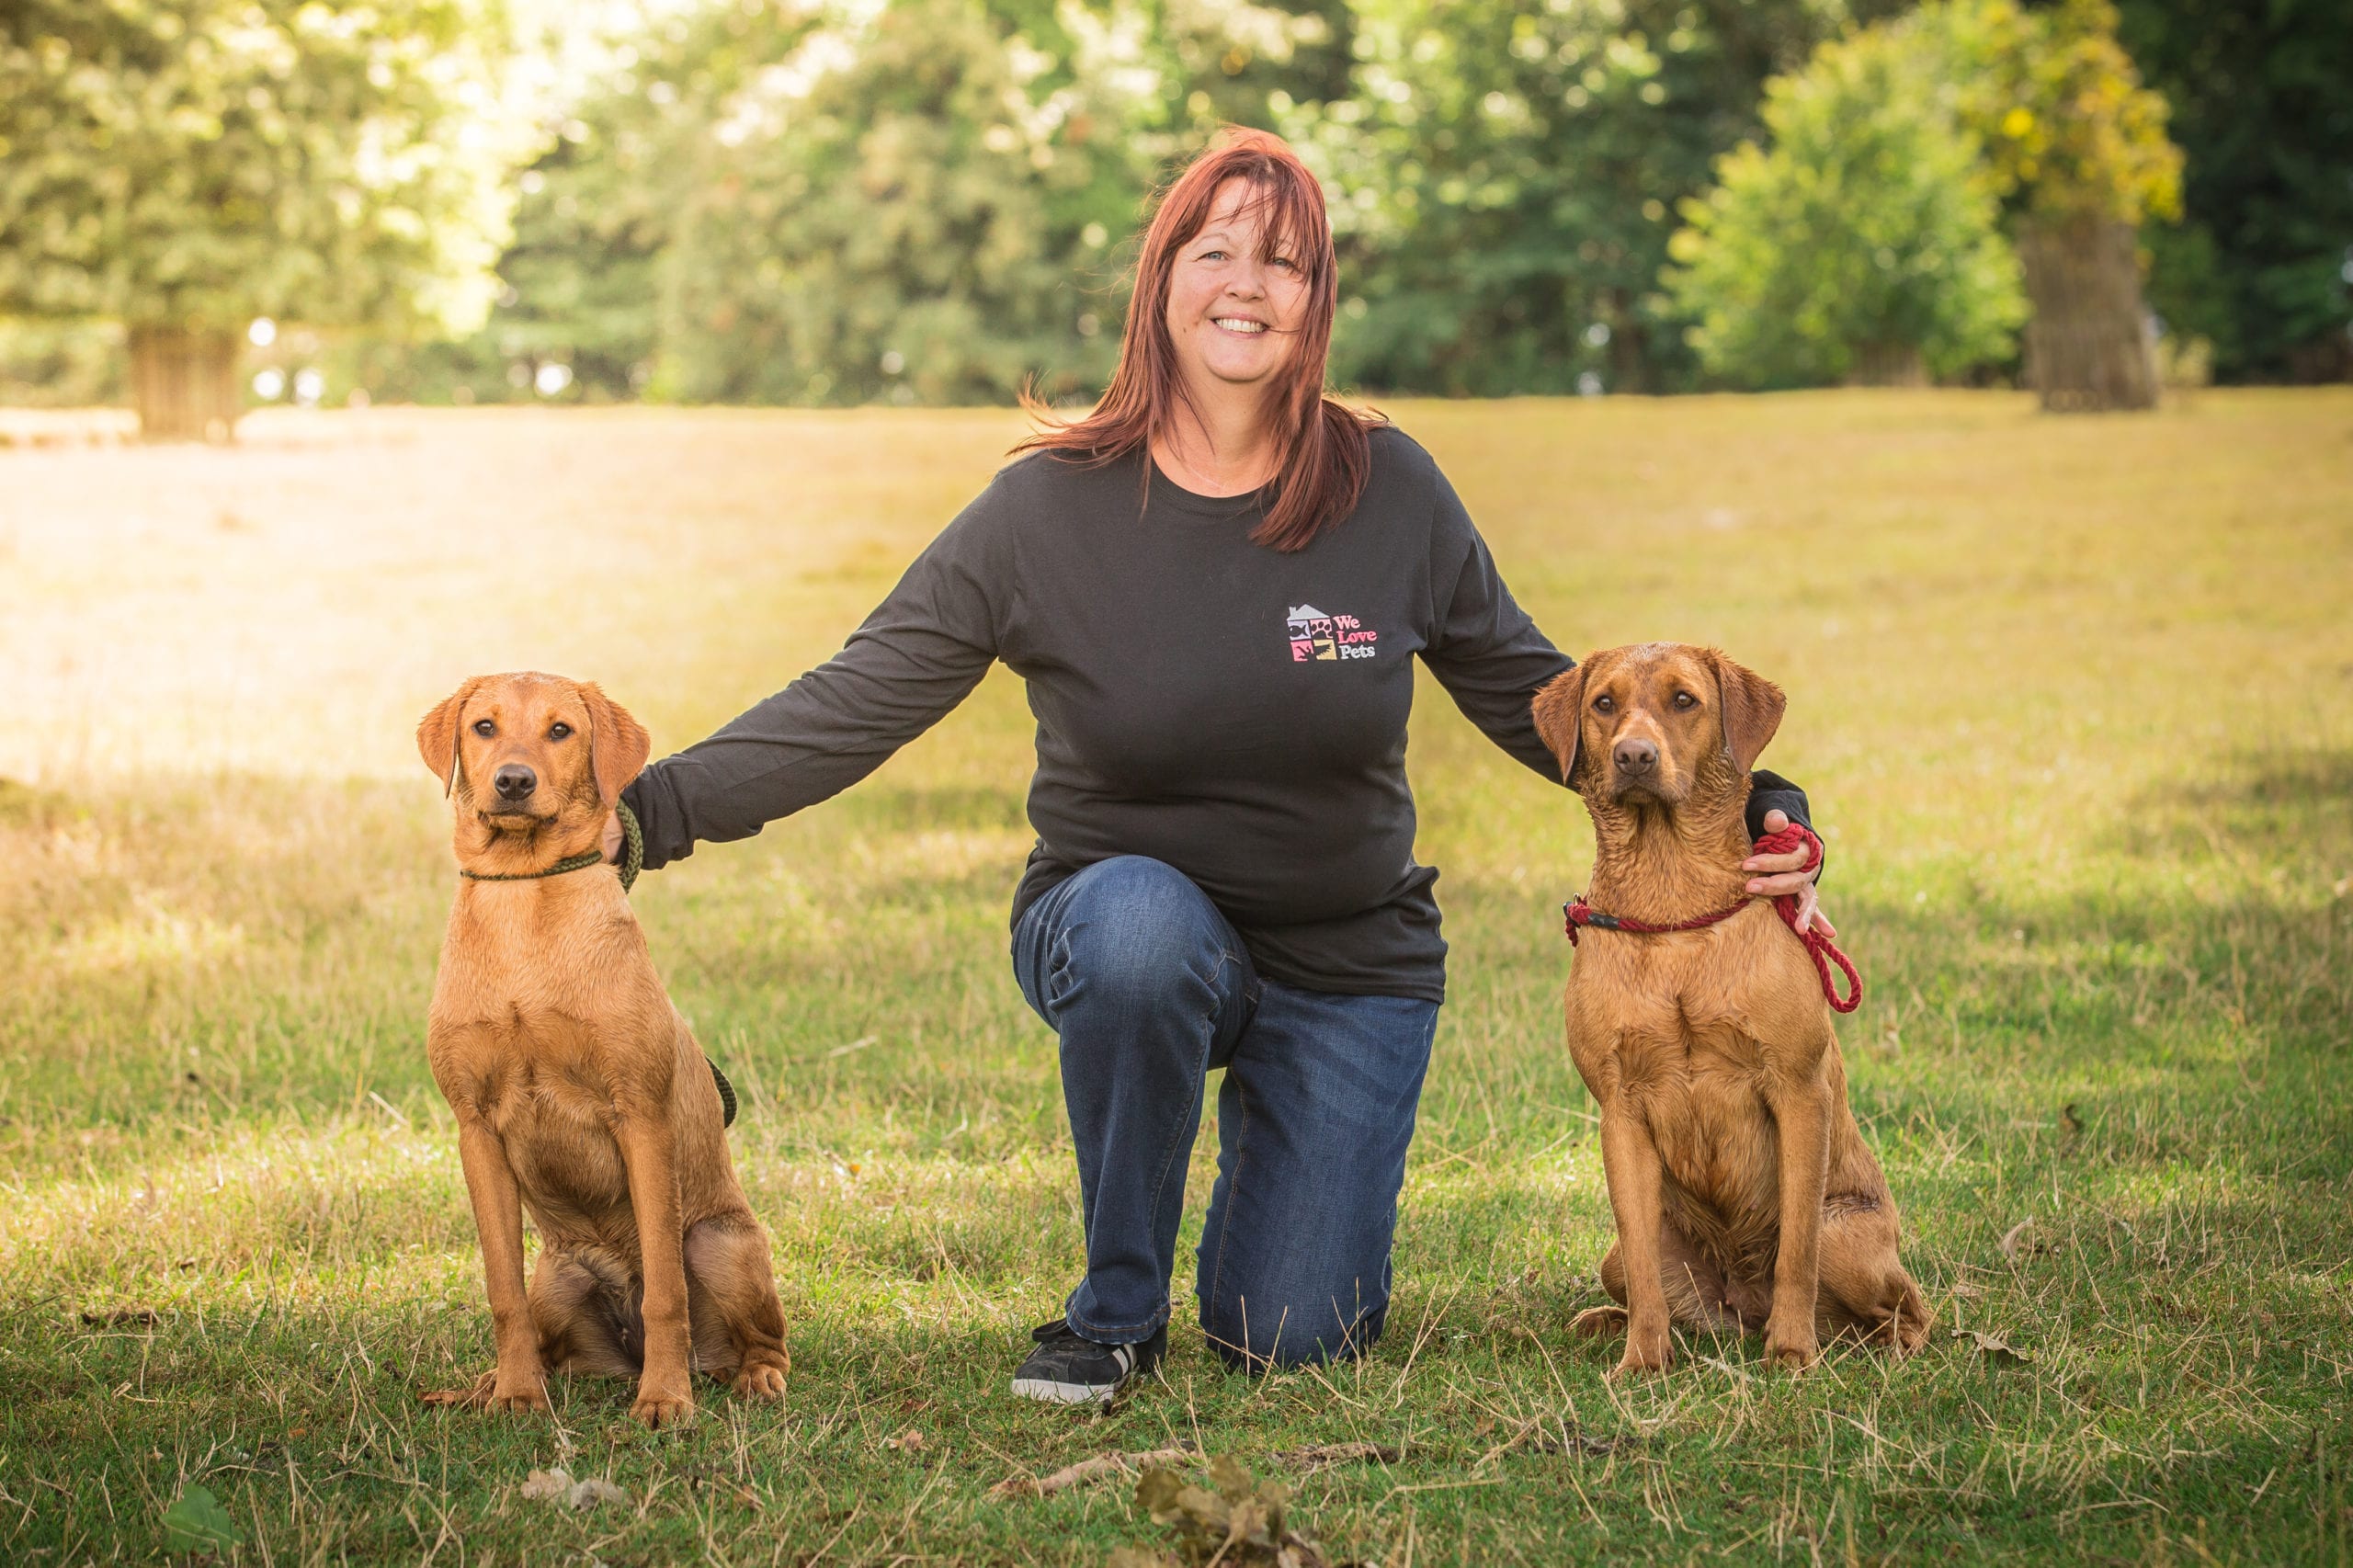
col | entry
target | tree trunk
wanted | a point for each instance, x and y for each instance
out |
(2087, 344)
(183, 383)
(1888, 365)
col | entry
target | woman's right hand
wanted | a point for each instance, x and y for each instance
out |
(612, 841)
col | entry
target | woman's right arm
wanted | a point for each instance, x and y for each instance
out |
(920, 654)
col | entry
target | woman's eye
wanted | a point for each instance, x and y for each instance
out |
(557, 731)
(484, 728)
(1286, 264)
(1685, 699)
(1604, 705)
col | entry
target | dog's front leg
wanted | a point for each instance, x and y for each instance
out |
(1630, 1164)
(520, 1381)
(650, 1151)
(1802, 1118)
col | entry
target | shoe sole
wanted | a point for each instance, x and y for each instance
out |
(1052, 1392)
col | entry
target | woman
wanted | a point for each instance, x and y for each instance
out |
(1214, 585)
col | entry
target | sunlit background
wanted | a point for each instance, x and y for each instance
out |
(218, 204)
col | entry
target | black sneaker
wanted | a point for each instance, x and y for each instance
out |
(1067, 1369)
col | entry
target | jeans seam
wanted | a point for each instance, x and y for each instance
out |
(1233, 1191)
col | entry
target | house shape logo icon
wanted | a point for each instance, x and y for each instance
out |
(1312, 635)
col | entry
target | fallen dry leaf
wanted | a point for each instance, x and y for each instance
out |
(1997, 1352)
(557, 1487)
(1234, 1522)
(907, 1442)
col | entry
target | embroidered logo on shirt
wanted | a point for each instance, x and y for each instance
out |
(1314, 635)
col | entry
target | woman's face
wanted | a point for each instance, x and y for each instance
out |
(1234, 311)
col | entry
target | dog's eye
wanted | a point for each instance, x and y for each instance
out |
(558, 729)
(1685, 699)
(1605, 705)
(484, 728)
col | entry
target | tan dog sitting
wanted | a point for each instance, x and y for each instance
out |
(577, 1086)
(1742, 1191)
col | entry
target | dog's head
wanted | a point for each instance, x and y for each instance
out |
(1651, 723)
(525, 752)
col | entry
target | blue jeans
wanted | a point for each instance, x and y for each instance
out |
(1149, 988)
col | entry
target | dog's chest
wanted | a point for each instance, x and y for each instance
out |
(561, 1149)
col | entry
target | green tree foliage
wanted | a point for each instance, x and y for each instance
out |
(2262, 111)
(2077, 147)
(1508, 173)
(2068, 130)
(889, 214)
(1865, 243)
(199, 163)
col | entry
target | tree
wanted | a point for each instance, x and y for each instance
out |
(2078, 148)
(2259, 264)
(1864, 245)
(892, 214)
(187, 165)
(1507, 174)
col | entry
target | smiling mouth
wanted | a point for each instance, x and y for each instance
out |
(1239, 326)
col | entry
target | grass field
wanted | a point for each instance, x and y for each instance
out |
(2073, 698)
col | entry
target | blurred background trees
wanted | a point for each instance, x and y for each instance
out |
(2078, 148)
(1865, 245)
(184, 167)
(847, 201)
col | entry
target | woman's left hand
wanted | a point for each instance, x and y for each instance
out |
(1783, 874)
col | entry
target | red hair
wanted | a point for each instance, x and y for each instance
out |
(1325, 450)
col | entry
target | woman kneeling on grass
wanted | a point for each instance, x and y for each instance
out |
(1214, 586)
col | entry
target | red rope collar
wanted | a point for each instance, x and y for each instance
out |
(1819, 948)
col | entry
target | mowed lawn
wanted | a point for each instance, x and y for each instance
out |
(2074, 698)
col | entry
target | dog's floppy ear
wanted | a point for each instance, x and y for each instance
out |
(617, 745)
(1559, 712)
(1752, 708)
(436, 734)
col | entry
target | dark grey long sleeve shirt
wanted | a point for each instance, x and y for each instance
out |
(1233, 710)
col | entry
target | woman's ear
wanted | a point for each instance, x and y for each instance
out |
(437, 735)
(617, 745)
(1559, 712)
(1751, 707)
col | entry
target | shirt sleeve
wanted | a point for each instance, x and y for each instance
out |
(919, 654)
(1769, 792)
(1482, 647)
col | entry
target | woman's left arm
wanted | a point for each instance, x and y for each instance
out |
(1491, 658)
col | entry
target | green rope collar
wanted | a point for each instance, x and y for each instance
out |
(632, 857)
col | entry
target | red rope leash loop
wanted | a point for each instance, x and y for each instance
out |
(1819, 948)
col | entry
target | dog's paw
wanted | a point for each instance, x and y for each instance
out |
(762, 1380)
(659, 1408)
(1600, 1322)
(1791, 1352)
(1648, 1349)
(522, 1399)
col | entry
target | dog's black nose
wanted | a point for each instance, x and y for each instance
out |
(514, 782)
(1635, 757)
